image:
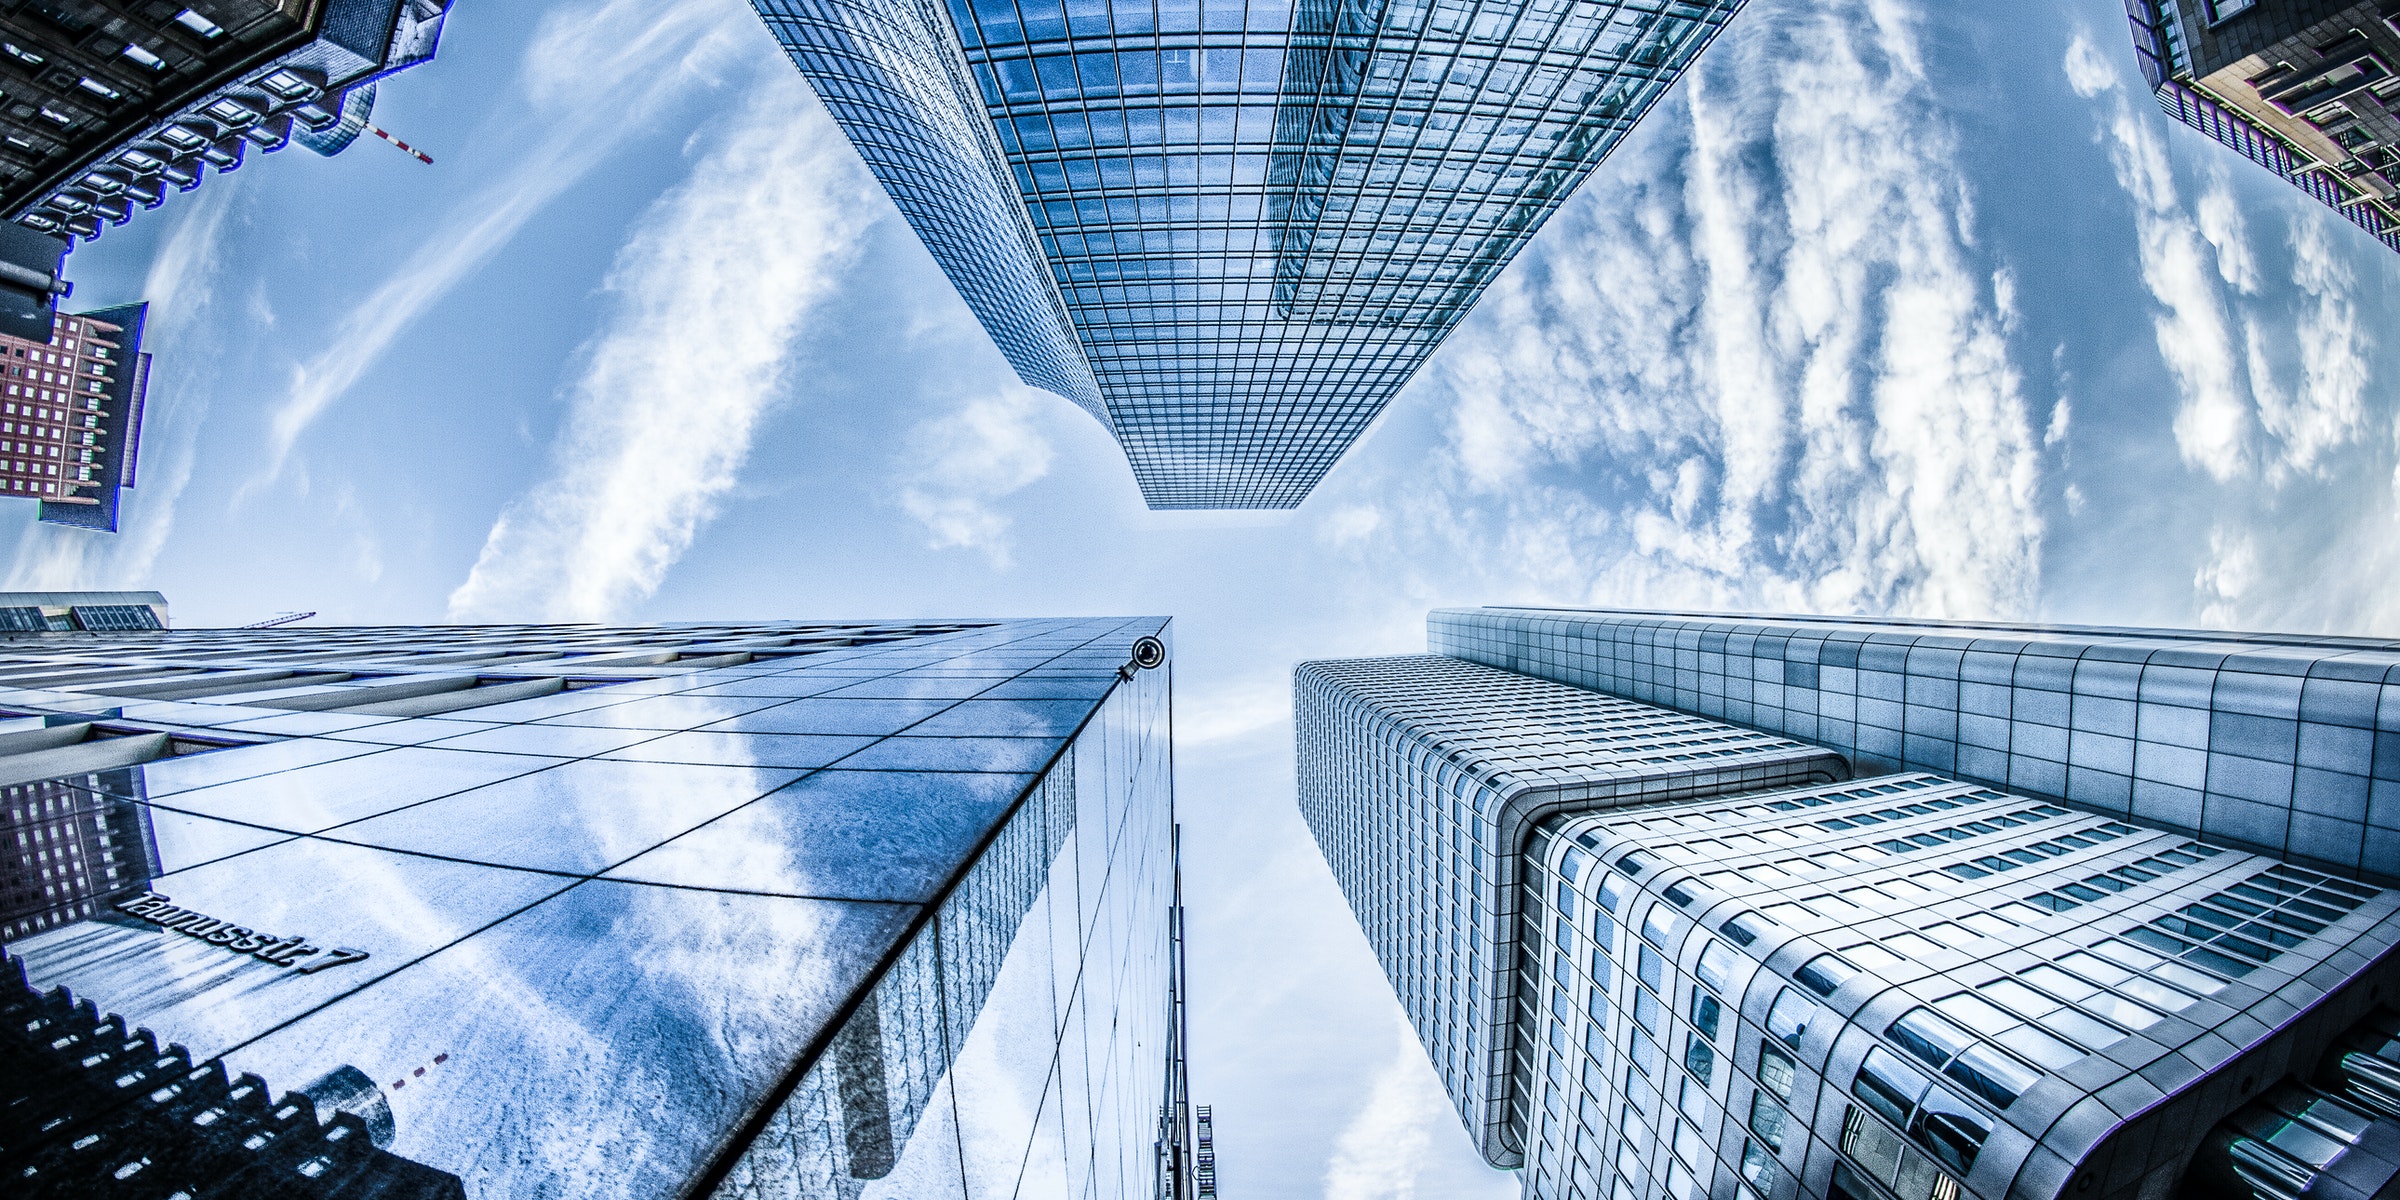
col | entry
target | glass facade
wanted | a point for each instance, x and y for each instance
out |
(2278, 743)
(1896, 986)
(1255, 219)
(814, 909)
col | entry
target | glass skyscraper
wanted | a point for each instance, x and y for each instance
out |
(843, 909)
(1231, 230)
(1656, 953)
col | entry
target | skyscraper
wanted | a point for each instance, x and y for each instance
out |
(1654, 953)
(1231, 230)
(71, 416)
(733, 909)
(2303, 88)
(108, 105)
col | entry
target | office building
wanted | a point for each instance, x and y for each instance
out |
(1232, 231)
(854, 909)
(2282, 744)
(85, 612)
(1695, 953)
(71, 845)
(110, 106)
(2303, 88)
(71, 418)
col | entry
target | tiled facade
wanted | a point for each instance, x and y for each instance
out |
(1720, 1016)
(1232, 230)
(2285, 745)
(821, 909)
(1902, 986)
(1419, 775)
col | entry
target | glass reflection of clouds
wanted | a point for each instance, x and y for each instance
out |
(774, 953)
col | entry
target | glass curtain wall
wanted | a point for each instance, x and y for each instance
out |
(1020, 1046)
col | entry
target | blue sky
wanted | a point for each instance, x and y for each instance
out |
(1891, 307)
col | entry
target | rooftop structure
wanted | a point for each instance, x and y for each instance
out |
(1231, 232)
(109, 106)
(2280, 743)
(2303, 88)
(726, 909)
(1773, 971)
(89, 612)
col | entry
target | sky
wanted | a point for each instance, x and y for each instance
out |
(1889, 307)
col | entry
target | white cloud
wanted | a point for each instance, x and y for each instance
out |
(1771, 342)
(2226, 577)
(1230, 710)
(1349, 524)
(2328, 409)
(959, 465)
(1382, 1151)
(2243, 412)
(2181, 265)
(2220, 220)
(593, 77)
(709, 296)
(2088, 70)
(181, 289)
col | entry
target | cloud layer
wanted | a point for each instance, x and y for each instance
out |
(710, 296)
(959, 464)
(1761, 361)
(591, 81)
(2268, 389)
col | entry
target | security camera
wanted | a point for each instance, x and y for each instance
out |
(1149, 652)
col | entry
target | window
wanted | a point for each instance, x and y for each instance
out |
(291, 87)
(1700, 1059)
(1789, 1018)
(1705, 1013)
(2008, 1030)
(2125, 954)
(1986, 1072)
(144, 57)
(1758, 1166)
(1658, 925)
(2096, 1000)
(1776, 1071)
(1825, 974)
(1767, 1120)
(1651, 967)
(1739, 928)
(1938, 1120)
(192, 20)
(1889, 1086)
(2219, 10)
(1716, 966)
(1643, 1050)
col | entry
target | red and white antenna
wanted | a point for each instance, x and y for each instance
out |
(419, 155)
